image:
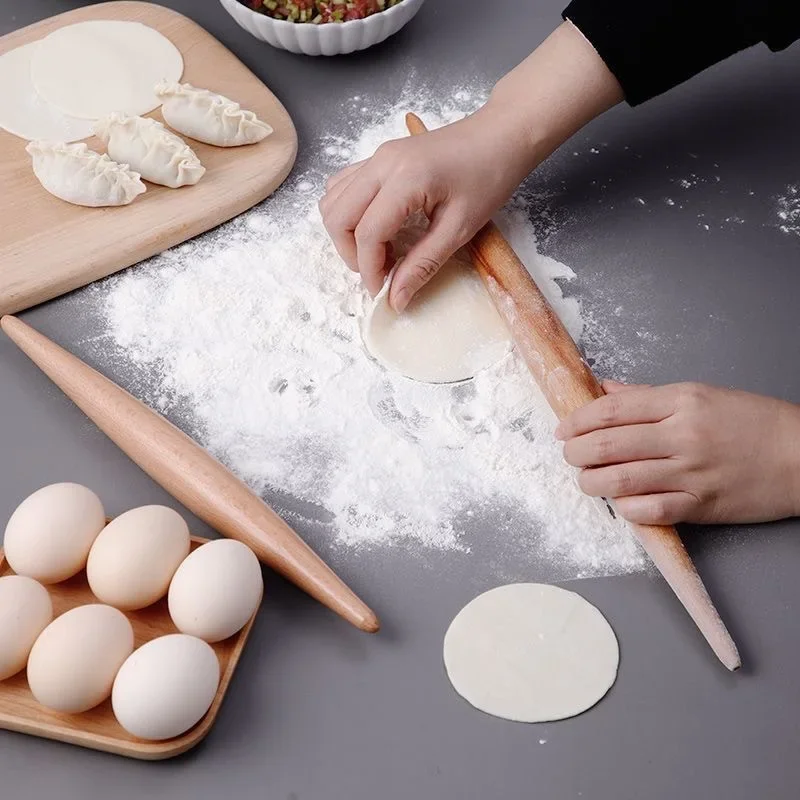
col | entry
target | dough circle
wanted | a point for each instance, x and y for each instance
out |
(449, 332)
(530, 652)
(90, 69)
(24, 112)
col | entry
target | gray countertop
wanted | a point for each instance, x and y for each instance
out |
(318, 711)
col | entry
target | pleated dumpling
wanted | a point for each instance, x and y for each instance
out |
(209, 117)
(148, 147)
(74, 173)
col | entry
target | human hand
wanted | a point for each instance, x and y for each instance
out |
(687, 453)
(458, 176)
(461, 174)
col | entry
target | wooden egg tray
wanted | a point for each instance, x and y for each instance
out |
(97, 728)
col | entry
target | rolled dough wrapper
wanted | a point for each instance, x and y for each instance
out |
(530, 652)
(449, 332)
(24, 112)
(92, 68)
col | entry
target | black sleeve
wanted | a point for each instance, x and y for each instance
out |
(653, 45)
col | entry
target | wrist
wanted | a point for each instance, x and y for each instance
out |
(515, 136)
(558, 89)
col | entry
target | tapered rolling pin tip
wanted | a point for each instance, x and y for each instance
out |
(368, 622)
(347, 604)
(730, 658)
(721, 642)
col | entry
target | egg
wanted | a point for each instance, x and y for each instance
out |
(25, 611)
(73, 663)
(134, 558)
(216, 590)
(49, 535)
(166, 686)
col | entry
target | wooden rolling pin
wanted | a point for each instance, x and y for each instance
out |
(568, 383)
(190, 474)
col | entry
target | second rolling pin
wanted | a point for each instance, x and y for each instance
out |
(567, 383)
(190, 474)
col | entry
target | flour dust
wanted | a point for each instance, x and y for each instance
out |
(789, 210)
(250, 338)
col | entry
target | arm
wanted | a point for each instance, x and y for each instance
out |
(461, 174)
(553, 93)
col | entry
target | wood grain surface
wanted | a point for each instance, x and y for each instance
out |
(567, 383)
(97, 728)
(49, 247)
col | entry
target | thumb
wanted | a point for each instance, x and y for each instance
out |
(424, 260)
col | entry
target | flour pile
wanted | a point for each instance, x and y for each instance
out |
(250, 338)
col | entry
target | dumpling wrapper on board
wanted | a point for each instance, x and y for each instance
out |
(92, 68)
(24, 112)
(209, 117)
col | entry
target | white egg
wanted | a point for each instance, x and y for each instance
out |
(165, 687)
(25, 611)
(134, 558)
(49, 535)
(74, 661)
(216, 590)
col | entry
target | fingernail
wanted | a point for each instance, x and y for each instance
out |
(401, 300)
(559, 434)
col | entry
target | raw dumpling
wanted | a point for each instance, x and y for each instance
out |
(209, 117)
(78, 175)
(149, 148)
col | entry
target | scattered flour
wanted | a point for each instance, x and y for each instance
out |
(249, 337)
(789, 210)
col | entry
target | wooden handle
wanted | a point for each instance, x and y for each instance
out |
(568, 383)
(190, 474)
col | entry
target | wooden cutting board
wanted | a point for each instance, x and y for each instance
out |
(98, 728)
(49, 247)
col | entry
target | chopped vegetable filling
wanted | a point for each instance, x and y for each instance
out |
(319, 11)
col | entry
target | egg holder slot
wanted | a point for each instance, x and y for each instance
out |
(97, 728)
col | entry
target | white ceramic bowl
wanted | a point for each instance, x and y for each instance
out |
(327, 39)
